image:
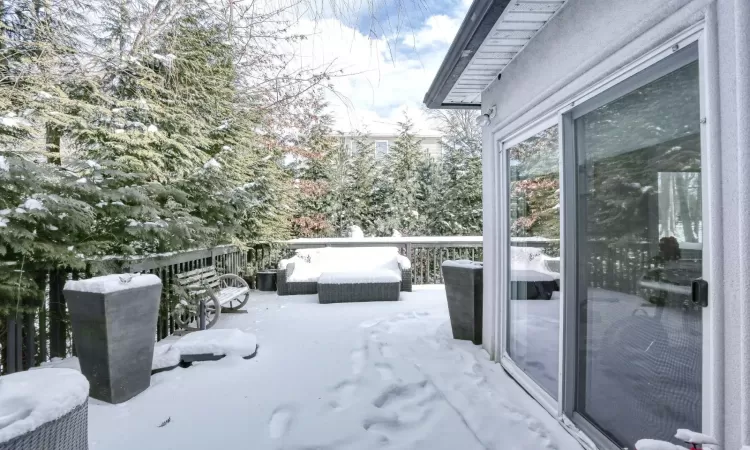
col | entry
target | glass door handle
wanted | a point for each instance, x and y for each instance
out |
(700, 292)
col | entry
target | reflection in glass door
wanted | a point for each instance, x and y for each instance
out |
(534, 257)
(639, 247)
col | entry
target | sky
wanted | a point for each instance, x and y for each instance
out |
(388, 55)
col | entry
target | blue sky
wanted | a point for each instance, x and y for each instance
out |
(387, 62)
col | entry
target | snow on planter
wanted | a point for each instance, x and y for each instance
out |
(463, 263)
(30, 399)
(113, 283)
(216, 342)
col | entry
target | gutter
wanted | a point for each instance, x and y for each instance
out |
(477, 25)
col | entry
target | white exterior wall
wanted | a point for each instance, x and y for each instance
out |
(432, 147)
(590, 40)
(430, 144)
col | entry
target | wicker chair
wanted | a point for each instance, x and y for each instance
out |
(68, 432)
(284, 287)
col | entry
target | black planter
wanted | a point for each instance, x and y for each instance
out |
(266, 281)
(463, 289)
(114, 329)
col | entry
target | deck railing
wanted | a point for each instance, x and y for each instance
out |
(42, 331)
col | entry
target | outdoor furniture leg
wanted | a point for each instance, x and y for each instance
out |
(202, 315)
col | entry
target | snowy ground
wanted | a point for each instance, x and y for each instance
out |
(342, 376)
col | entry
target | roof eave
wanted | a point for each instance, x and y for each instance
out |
(477, 25)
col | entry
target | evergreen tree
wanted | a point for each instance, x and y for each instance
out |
(432, 203)
(400, 184)
(313, 153)
(45, 209)
(363, 174)
(460, 212)
(337, 165)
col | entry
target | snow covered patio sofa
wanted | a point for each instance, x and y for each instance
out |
(339, 275)
(533, 275)
(44, 409)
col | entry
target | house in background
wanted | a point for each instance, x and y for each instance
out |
(430, 142)
(617, 139)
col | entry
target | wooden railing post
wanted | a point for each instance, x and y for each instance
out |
(30, 335)
(11, 346)
(57, 327)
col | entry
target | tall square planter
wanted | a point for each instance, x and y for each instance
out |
(114, 328)
(463, 289)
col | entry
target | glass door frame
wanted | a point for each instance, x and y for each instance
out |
(657, 63)
(531, 386)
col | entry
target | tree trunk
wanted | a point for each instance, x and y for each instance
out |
(53, 138)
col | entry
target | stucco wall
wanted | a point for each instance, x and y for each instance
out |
(592, 39)
(430, 144)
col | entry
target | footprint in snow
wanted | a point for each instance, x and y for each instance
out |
(280, 421)
(385, 371)
(383, 350)
(358, 357)
(345, 391)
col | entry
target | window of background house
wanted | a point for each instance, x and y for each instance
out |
(381, 148)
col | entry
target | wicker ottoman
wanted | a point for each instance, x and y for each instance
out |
(50, 408)
(347, 287)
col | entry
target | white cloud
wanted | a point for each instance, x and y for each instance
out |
(438, 31)
(382, 77)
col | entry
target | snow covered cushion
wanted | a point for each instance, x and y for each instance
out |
(358, 258)
(165, 355)
(30, 399)
(360, 277)
(217, 342)
(308, 264)
(533, 259)
(303, 272)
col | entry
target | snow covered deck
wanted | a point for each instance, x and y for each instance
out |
(341, 376)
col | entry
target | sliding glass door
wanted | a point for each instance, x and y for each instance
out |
(639, 247)
(602, 254)
(533, 268)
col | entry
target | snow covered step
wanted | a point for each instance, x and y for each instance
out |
(214, 344)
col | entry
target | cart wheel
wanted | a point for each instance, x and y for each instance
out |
(213, 311)
(229, 281)
(184, 317)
